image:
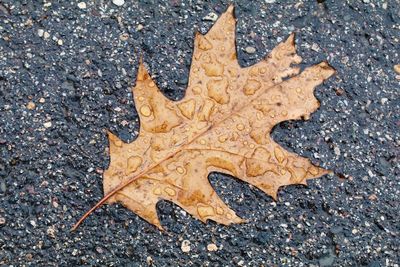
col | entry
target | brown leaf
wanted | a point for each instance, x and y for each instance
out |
(222, 124)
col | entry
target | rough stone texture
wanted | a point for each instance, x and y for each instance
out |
(52, 156)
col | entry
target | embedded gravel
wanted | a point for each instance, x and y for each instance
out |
(66, 69)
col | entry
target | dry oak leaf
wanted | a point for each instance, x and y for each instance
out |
(222, 124)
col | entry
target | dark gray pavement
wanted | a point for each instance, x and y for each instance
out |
(66, 70)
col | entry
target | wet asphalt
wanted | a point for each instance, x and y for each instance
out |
(66, 69)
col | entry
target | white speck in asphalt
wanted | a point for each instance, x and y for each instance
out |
(118, 2)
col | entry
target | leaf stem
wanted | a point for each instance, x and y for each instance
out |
(104, 199)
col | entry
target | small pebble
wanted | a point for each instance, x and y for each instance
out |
(211, 17)
(373, 197)
(315, 47)
(55, 204)
(46, 35)
(118, 2)
(124, 37)
(42, 100)
(384, 100)
(40, 32)
(30, 105)
(250, 50)
(51, 231)
(185, 246)
(397, 68)
(3, 186)
(212, 247)
(339, 91)
(82, 5)
(60, 42)
(2, 220)
(149, 260)
(139, 27)
(47, 124)
(337, 151)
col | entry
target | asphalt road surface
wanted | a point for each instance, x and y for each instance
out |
(66, 69)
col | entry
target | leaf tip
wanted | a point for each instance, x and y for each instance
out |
(291, 39)
(142, 73)
(235, 220)
(274, 195)
(230, 9)
(326, 69)
(241, 221)
(159, 226)
(329, 172)
(140, 59)
(228, 16)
